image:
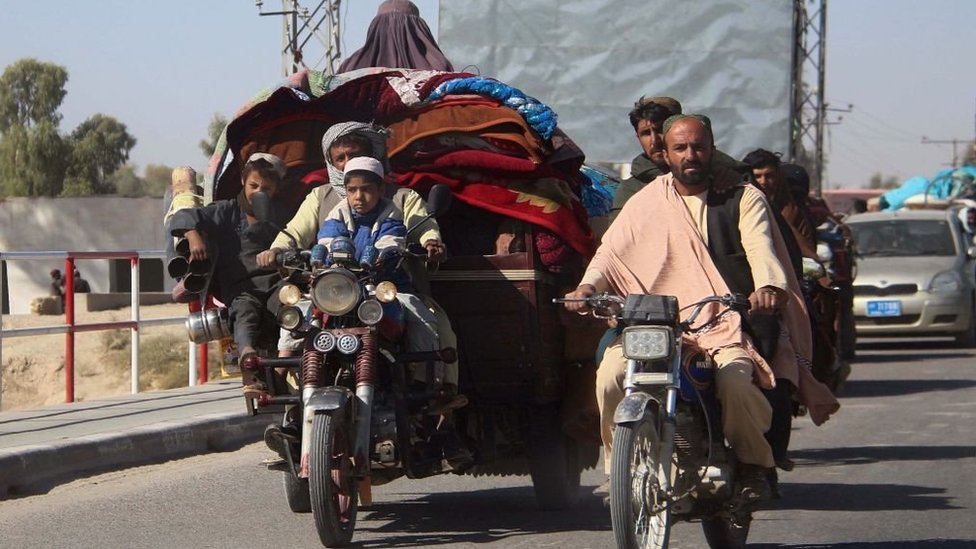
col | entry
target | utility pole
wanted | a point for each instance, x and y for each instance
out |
(299, 26)
(955, 143)
(808, 108)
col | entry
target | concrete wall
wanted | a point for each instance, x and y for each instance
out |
(74, 224)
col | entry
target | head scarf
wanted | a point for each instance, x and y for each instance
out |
(398, 38)
(377, 138)
(277, 166)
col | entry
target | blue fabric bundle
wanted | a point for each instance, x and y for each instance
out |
(597, 191)
(540, 117)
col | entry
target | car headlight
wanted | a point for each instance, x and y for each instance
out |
(289, 294)
(290, 317)
(370, 312)
(386, 291)
(336, 292)
(946, 281)
(647, 342)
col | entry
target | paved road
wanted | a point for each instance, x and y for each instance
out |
(895, 469)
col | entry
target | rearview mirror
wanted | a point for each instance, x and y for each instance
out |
(261, 206)
(438, 200)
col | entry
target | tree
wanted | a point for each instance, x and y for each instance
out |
(157, 180)
(216, 127)
(99, 146)
(32, 152)
(31, 92)
(32, 160)
(127, 183)
(878, 181)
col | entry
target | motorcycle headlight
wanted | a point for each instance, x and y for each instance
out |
(289, 294)
(647, 342)
(386, 292)
(290, 317)
(946, 281)
(348, 344)
(370, 312)
(336, 292)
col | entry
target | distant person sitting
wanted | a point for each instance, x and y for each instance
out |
(57, 287)
(398, 38)
(57, 283)
(81, 285)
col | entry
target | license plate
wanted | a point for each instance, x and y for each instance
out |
(884, 308)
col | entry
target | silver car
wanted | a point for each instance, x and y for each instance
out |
(915, 275)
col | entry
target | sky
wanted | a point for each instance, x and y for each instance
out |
(903, 68)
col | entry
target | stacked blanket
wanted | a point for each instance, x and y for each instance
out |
(498, 149)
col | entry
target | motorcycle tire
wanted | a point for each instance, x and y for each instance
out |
(297, 494)
(332, 484)
(724, 533)
(554, 462)
(636, 470)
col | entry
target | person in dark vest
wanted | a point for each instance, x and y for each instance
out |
(647, 118)
(679, 237)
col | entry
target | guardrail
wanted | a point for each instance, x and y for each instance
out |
(197, 373)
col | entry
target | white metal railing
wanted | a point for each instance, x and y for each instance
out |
(70, 328)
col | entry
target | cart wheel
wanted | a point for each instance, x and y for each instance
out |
(554, 462)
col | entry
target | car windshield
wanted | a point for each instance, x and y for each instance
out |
(903, 237)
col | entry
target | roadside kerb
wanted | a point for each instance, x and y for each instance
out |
(36, 468)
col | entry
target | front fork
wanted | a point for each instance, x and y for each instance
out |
(361, 406)
(636, 381)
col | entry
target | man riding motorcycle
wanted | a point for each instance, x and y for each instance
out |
(679, 238)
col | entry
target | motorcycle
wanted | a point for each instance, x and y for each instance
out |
(363, 422)
(669, 460)
(527, 376)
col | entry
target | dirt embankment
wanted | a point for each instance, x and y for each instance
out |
(33, 366)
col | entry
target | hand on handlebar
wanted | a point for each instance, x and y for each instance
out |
(767, 299)
(583, 291)
(268, 258)
(435, 251)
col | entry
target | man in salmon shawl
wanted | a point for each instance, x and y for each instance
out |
(679, 237)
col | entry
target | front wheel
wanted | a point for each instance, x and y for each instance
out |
(639, 508)
(332, 485)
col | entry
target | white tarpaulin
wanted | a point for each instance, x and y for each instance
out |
(591, 59)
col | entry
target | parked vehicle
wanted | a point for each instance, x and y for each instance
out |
(670, 460)
(915, 275)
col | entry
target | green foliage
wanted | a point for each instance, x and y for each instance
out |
(214, 129)
(99, 146)
(32, 160)
(878, 181)
(126, 183)
(31, 92)
(157, 179)
(35, 158)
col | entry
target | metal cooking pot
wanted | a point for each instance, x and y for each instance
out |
(208, 325)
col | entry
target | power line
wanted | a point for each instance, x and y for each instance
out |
(955, 142)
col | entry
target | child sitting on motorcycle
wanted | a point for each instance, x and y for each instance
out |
(372, 221)
(237, 236)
